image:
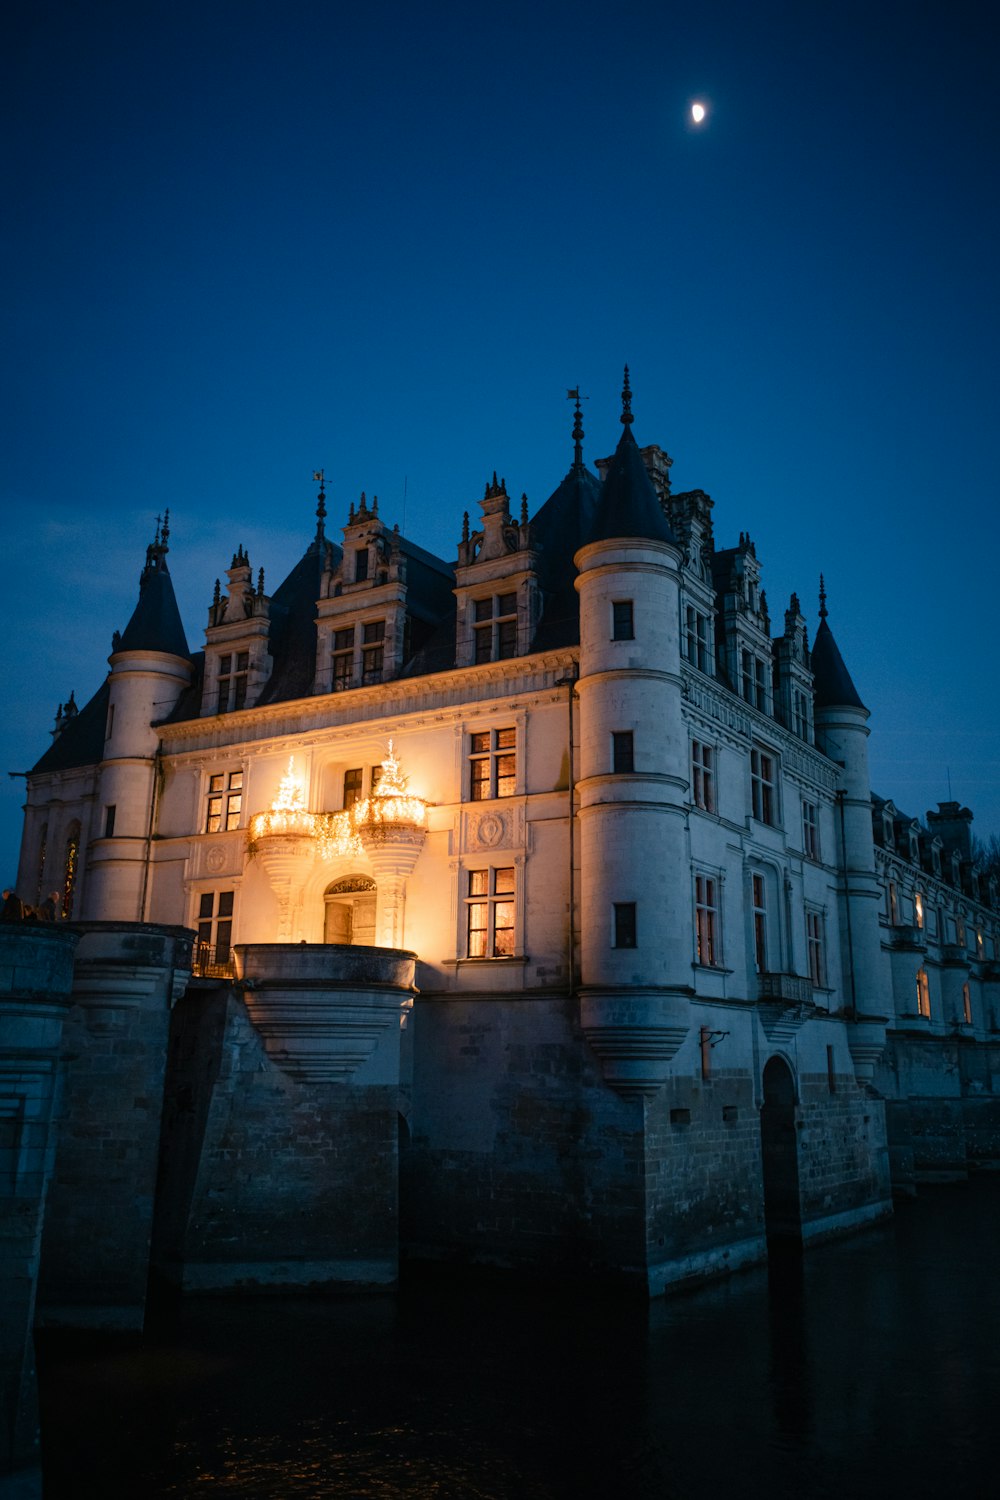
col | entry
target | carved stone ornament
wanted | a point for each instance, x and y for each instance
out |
(490, 830)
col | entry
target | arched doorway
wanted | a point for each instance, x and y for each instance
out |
(350, 911)
(779, 1155)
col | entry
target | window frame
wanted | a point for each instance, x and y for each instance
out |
(494, 627)
(228, 794)
(810, 830)
(499, 781)
(624, 924)
(816, 947)
(764, 787)
(703, 776)
(483, 900)
(623, 752)
(232, 682)
(759, 909)
(707, 921)
(923, 993)
(623, 619)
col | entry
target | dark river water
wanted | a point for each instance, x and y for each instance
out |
(870, 1368)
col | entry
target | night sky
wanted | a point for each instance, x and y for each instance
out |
(243, 241)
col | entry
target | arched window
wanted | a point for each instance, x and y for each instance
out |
(966, 1004)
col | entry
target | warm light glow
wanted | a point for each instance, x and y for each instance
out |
(697, 113)
(335, 835)
(390, 802)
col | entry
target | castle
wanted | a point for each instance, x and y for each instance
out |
(532, 911)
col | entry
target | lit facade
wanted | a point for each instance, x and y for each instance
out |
(624, 824)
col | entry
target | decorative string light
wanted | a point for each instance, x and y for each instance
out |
(336, 835)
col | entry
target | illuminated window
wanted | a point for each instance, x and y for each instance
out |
(695, 643)
(343, 659)
(923, 994)
(492, 764)
(703, 775)
(70, 868)
(372, 651)
(490, 913)
(215, 929)
(980, 945)
(625, 924)
(960, 932)
(233, 670)
(352, 787)
(622, 623)
(814, 947)
(495, 628)
(759, 923)
(763, 798)
(225, 801)
(966, 1004)
(706, 913)
(622, 751)
(810, 830)
(918, 908)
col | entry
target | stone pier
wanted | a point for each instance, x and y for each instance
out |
(280, 1147)
(95, 1250)
(36, 971)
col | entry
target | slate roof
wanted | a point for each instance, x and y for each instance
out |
(81, 743)
(834, 688)
(156, 622)
(628, 505)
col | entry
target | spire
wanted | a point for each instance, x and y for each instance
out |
(626, 402)
(822, 598)
(574, 395)
(318, 478)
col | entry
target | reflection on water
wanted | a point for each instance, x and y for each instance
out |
(869, 1368)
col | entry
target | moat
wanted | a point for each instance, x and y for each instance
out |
(871, 1367)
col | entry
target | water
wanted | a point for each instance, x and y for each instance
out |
(871, 1368)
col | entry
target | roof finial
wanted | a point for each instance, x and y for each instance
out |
(822, 598)
(165, 533)
(320, 479)
(626, 401)
(574, 395)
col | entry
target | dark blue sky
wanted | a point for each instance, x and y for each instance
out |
(246, 240)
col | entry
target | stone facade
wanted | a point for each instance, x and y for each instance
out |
(539, 920)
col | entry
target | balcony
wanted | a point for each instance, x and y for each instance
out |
(789, 989)
(912, 938)
(212, 961)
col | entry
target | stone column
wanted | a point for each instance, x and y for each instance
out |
(36, 973)
(95, 1251)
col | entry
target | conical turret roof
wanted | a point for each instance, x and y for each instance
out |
(628, 505)
(156, 622)
(834, 688)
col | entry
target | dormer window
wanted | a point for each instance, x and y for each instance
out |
(495, 628)
(233, 669)
(936, 860)
(753, 680)
(372, 651)
(361, 565)
(914, 849)
(343, 659)
(887, 834)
